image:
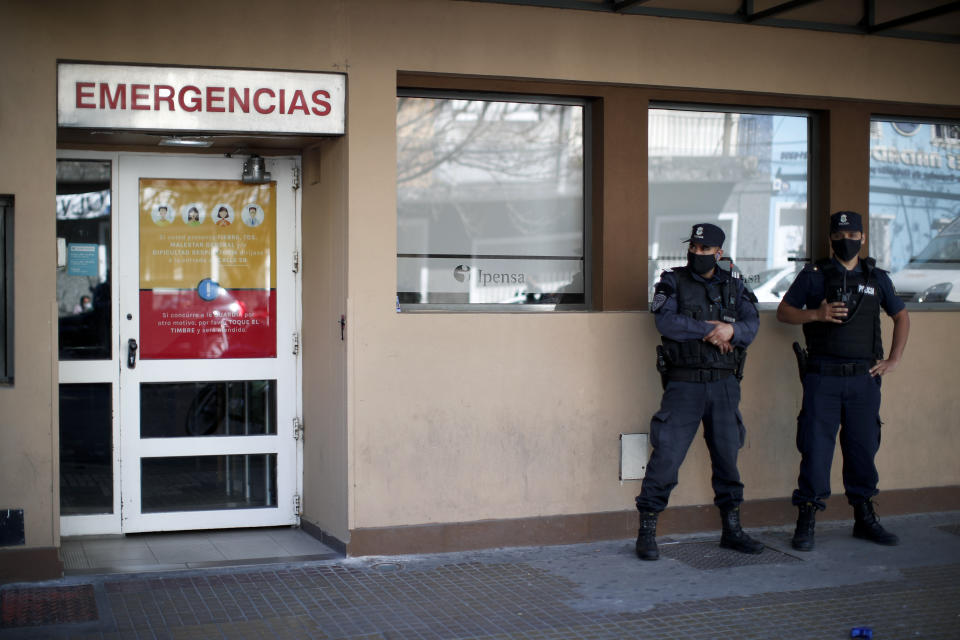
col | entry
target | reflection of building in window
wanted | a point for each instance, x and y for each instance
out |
(946, 134)
(914, 190)
(745, 172)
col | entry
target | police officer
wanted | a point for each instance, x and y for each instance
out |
(707, 317)
(838, 302)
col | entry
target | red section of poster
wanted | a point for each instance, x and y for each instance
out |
(239, 323)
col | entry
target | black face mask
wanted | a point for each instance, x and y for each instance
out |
(845, 249)
(701, 264)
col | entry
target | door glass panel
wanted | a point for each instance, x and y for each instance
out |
(207, 269)
(83, 259)
(86, 449)
(188, 409)
(202, 483)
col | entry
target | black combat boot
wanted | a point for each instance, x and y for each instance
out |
(806, 521)
(733, 536)
(647, 537)
(866, 525)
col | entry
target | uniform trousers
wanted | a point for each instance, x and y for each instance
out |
(672, 429)
(852, 404)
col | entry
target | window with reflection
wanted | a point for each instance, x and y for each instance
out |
(203, 483)
(83, 259)
(743, 171)
(192, 409)
(914, 227)
(490, 202)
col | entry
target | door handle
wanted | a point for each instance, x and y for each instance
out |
(131, 353)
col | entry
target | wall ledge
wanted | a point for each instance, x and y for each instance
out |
(614, 525)
(30, 564)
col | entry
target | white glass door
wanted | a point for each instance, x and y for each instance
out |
(208, 374)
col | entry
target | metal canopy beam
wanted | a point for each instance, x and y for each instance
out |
(774, 10)
(620, 5)
(934, 12)
(767, 17)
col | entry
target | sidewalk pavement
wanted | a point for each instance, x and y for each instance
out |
(596, 590)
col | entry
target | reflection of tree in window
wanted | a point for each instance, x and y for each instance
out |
(472, 153)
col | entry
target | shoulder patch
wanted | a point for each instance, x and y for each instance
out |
(657, 302)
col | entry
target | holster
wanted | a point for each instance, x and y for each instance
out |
(801, 354)
(662, 365)
(741, 362)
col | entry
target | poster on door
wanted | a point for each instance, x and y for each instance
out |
(207, 269)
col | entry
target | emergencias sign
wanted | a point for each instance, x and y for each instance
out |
(148, 98)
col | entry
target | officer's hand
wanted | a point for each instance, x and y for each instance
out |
(721, 332)
(831, 312)
(884, 366)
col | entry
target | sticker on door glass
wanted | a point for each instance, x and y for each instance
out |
(207, 275)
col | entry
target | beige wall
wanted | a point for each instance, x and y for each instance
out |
(451, 417)
(28, 420)
(462, 417)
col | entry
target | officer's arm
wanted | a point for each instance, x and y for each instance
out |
(670, 322)
(792, 315)
(901, 326)
(748, 319)
(901, 331)
(791, 308)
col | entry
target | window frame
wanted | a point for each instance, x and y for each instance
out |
(586, 104)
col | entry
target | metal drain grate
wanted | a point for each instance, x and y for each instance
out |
(951, 528)
(41, 606)
(74, 559)
(709, 555)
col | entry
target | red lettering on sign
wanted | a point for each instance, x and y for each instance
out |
(215, 95)
(283, 103)
(256, 100)
(118, 98)
(140, 97)
(298, 103)
(168, 98)
(81, 94)
(235, 99)
(195, 102)
(323, 104)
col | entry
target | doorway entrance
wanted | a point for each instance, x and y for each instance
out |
(179, 369)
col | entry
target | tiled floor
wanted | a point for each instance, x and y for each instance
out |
(598, 590)
(138, 553)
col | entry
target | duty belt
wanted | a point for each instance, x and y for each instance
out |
(845, 369)
(697, 375)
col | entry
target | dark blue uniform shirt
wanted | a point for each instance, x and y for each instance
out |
(808, 290)
(677, 326)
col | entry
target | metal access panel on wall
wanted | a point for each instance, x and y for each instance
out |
(634, 454)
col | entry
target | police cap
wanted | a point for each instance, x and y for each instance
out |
(709, 235)
(846, 221)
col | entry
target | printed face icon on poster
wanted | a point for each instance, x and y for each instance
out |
(193, 214)
(252, 215)
(224, 216)
(161, 215)
(207, 290)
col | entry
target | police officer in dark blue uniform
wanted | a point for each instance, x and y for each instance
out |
(707, 317)
(838, 302)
